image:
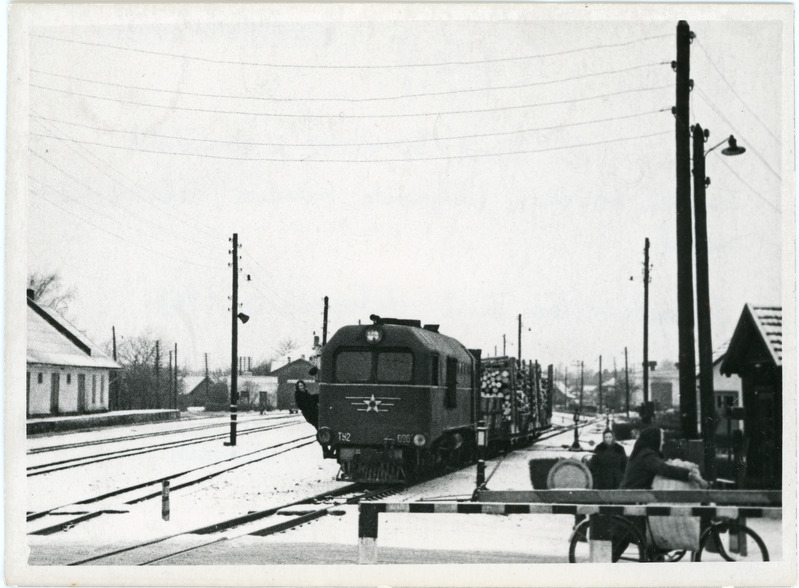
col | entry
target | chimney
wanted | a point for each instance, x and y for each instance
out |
(31, 294)
(316, 341)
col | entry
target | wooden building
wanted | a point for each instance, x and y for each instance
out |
(755, 354)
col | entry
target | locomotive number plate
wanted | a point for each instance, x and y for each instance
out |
(344, 436)
(403, 438)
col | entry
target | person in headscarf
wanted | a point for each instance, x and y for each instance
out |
(307, 403)
(608, 463)
(646, 462)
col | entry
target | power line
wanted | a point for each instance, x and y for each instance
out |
(729, 85)
(745, 183)
(354, 100)
(328, 66)
(386, 160)
(88, 222)
(135, 192)
(80, 183)
(717, 110)
(352, 116)
(363, 144)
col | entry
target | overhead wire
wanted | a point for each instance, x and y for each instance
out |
(353, 100)
(352, 116)
(380, 160)
(362, 144)
(137, 194)
(353, 66)
(145, 221)
(748, 185)
(116, 236)
(730, 86)
(757, 153)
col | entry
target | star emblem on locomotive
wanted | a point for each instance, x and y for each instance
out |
(372, 404)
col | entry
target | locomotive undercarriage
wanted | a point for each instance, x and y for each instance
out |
(391, 464)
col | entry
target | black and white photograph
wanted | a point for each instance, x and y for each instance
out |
(419, 294)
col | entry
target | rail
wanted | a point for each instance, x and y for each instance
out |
(712, 504)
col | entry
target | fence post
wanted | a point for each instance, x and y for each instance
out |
(367, 533)
(165, 500)
(600, 543)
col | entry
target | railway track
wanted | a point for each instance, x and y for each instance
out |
(178, 480)
(252, 524)
(225, 423)
(75, 462)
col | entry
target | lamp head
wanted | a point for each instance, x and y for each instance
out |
(243, 317)
(733, 148)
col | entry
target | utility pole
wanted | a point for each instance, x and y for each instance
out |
(503, 345)
(324, 323)
(627, 383)
(706, 394)
(171, 378)
(566, 386)
(600, 384)
(520, 338)
(234, 347)
(113, 401)
(646, 417)
(175, 402)
(685, 283)
(157, 376)
(207, 383)
(580, 410)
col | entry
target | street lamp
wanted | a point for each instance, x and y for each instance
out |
(707, 404)
(482, 443)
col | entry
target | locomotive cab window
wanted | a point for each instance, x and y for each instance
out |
(434, 370)
(381, 366)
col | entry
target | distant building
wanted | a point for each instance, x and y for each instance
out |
(196, 390)
(755, 354)
(255, 390)
(287, 376)
(66, 372)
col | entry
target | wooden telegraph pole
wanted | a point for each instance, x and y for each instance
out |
(234, 346)
(646, 417)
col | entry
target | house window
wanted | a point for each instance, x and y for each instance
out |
(102, 389)
(41, 378)
(94, 388)
(69, 378)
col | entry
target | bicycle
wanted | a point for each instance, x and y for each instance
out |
(721, 539)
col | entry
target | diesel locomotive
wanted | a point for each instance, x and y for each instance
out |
(399, 401)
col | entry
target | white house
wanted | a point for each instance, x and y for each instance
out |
(66, 372)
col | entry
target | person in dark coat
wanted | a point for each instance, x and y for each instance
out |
(307, 403)
(646, 462)
(608, 463)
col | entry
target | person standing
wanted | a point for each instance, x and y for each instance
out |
(608, 463)
(307, 403)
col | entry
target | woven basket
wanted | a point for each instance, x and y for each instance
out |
(675, 532)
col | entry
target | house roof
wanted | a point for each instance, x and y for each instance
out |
(297, 368)
(190, 383)
(763, 324)
(52, 340)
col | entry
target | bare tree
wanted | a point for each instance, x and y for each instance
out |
(49, 290)
(286, 346)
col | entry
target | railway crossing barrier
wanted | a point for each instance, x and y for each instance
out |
(734, 504)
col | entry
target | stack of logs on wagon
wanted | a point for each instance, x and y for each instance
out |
(515, 398)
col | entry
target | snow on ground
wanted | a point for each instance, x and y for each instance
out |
(403, 538)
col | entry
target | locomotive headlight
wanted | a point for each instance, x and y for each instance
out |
(373, 335)
(419, 440)
(324, 435)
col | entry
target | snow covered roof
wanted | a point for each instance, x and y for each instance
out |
(759, 325)
(52, 340)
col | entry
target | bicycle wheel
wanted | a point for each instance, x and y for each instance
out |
(628, 544)
(730, 541)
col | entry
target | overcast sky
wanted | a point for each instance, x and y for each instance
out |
(456, 164)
